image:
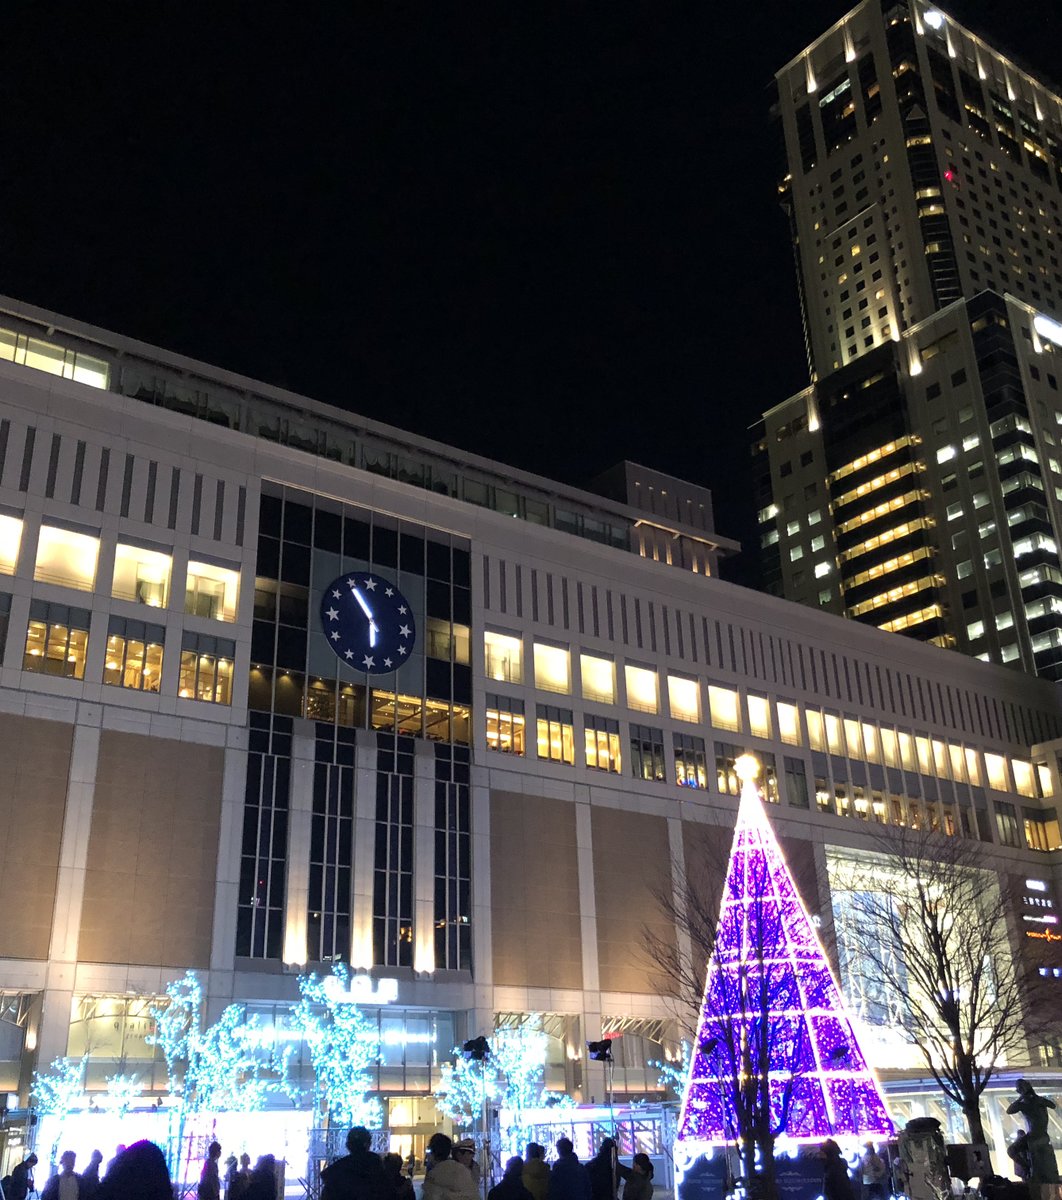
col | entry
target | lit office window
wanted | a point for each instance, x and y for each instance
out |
(141, 575)
(505, 724)
(67, 558)
(10, 542)
(56, 640)
(553, 672)
(788, 723)
(907, 754)
(925, 758)
(1023, 777)
(504, 656)
(816, 729)
(996, 767)
(870, 744)
(723, 704)
(599, 678)
(556, 734)
(854, 738)
(1041, 829)
(55, 360)
(834, 740)
(1007, 823)
(759, 716)
(446, 641)
(890, 747)
(647, 753)
(690, 768)
(206, 669)
(134, 655)
(684, 696)
(973, 766)
(212, 591)
(1043, 775)
(643, 689)
(602, 744)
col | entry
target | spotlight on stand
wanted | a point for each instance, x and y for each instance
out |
(600, 1051)
(476, 1049)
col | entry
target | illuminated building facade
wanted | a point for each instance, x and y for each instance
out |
(199, 775)
(916, 484)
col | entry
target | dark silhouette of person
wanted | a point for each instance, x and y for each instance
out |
(569, 1179)
(602, 1171)
(536, 1171)
(263, 1182)
(90, 1176)
(396, 1185)
(836, 1179)
(67, 1184)
(638, 1177)
(22, 1179)
(511, 1185)
(210, 1176)
(359, 1174)
(138, 1172)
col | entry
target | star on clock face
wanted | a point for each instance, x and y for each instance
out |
(368, 622)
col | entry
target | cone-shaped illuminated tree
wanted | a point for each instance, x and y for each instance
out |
(775, 1053)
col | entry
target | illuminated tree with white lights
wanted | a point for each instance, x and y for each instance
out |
(344, 1047)
(58, 1092)
(122, 1093)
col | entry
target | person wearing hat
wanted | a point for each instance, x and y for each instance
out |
(447, 1179)
(465, 1152)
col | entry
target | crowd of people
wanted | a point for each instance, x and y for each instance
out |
(139, 1172)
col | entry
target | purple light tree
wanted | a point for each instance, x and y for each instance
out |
(775, 1052)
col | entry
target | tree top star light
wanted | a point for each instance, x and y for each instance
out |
(773, 1011)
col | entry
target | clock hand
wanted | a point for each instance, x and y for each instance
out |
(373, 627)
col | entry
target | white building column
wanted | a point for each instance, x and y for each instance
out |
(594, 1072)
(70, 884)
(230, 850)
(424, 857)
(300, 822)
(364, 851)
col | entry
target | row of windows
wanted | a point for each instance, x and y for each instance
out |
(57, 641)
(142, 574)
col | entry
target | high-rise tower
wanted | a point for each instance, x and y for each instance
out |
(916, 484)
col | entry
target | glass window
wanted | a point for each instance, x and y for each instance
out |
(890, 747)
(647, 753)
(996, 766)
(1041, 829)
(796, 783)
(67, 558)
(556, 734)
(759, 716)
(134, 655)
(723, 704)
(446, 641)
(684, 696)
(834, 741)
(1007, 823)
(504, 657)
(553, 671)
(141, 575)
(690, 769)
(505, 724)
(816, 729)
(212, 591)
(643, 689)
(599, 678)
(206, 669)
(1023, 777)
(788, 723)
(601, 735)
(10, 541)
(973, 766)
(853, 737)
(56, 640)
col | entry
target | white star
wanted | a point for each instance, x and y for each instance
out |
(348, 653)
(404, 630)
(402, 609)
(333, 614)
(369, 661)
(335, 635)
(370, 585)
(389, 592)
(335, 592)
(401, 649)
(387, 662)
(352, 583)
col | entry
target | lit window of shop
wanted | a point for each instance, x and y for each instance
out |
(1041, 828)
(212, 591)
(505, 724)
(504, 657)
(599, 678)
(759, 716)
(643, 689)
(647, 753)
(602, 743)
(67, 557)
(134, 655)
(142, 575)
(56, 640)
(684, 697)
(1007, 823)
(556, 734)
(788, 723)
(723, 704)
(206, 669)
(10, 543)
(690, 763)
(553, 672)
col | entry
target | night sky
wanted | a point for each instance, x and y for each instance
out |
(544, 233)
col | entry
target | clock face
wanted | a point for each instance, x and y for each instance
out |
(368, 622)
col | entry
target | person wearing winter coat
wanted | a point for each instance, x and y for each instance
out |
(602, 1171)
(511, 1185)
(638, 1178)
(22, 1179)
(836, 1181)
(359, 1175)
(446, 1179)
(535, 1175)
(569, 1179)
